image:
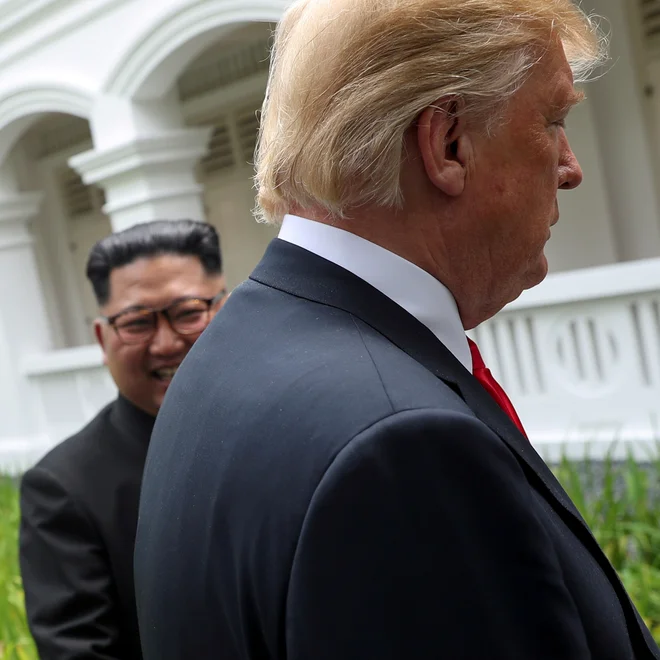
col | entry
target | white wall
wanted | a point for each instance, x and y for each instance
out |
(230, 201)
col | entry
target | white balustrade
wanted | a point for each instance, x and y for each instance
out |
(580, 358)
(72, 386)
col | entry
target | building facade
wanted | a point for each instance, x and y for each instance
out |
(115, 112)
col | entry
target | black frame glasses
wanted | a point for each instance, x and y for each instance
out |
(187, 316)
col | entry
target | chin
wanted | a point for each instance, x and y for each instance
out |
(537, 273)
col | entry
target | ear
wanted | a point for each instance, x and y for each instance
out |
(100, 338)
(221, 304)
(444, 145)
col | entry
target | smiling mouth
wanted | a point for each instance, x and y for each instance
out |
(165, 374)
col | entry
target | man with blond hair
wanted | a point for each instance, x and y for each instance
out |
(345, 480)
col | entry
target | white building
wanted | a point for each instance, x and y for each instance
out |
(114, 112)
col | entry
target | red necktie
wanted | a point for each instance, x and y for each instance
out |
(483, 375)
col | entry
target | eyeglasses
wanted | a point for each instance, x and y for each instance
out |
(186, 317)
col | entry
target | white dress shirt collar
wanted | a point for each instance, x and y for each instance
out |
(410, 287)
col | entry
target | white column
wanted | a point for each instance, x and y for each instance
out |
(144, 158)
(624, 141)
(24, 324)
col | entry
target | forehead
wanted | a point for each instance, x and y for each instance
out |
(152, 281)
(552, 79)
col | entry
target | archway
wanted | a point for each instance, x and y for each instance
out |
(69, 221)
(224, 88)
(22, 107)
(155, 61)
(221, 87)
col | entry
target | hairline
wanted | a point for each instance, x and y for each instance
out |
(184, 237)
(151, 257)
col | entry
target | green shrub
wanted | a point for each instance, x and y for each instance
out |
(15, 640)
(621, 503)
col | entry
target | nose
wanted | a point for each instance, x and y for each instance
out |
(165, 341)
(570, 172)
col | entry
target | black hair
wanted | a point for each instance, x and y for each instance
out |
(152, 239)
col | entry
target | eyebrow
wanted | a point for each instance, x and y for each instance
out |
(574, 99)
(143, 308)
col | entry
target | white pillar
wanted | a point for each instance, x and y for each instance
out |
(624, 141)
(24, 324)
(144, 159)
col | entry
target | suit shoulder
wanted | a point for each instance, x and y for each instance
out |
(79, 451)
(315, 357)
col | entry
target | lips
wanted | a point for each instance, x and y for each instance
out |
(164, 373)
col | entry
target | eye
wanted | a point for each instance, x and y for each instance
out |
(135, 323)
(134, 320)
(189, 313)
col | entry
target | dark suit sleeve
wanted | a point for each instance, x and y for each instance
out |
(66, 577)
(421, 543)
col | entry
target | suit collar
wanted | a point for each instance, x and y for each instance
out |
(418, 292)
(132, 421)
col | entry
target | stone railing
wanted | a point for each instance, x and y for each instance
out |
(72, 385)
(580, 358)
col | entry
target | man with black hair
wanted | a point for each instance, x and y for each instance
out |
(158, 285)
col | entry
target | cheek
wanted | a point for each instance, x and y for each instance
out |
(189, 341)
(126, 359)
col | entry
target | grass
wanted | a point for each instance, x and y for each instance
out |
(619, 500)
(15, 640)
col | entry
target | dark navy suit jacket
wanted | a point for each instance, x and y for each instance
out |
(327, 482)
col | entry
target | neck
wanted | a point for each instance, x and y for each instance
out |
(432, 243)
(419, 240)
(393, 230)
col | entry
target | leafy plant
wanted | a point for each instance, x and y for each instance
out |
(620, 501)
(15, 640)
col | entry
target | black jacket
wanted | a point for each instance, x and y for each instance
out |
(327, 482)
(78, 519)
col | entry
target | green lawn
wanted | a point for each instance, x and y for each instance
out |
(621, 503)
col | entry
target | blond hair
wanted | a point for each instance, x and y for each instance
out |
(349, 77)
